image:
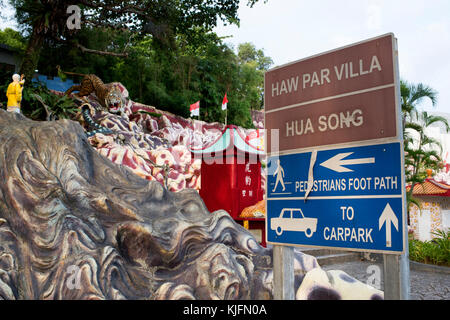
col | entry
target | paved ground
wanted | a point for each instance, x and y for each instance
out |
(424, 285)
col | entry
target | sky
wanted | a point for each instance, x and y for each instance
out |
(290, 30)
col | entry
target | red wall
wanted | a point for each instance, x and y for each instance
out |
(231, 186)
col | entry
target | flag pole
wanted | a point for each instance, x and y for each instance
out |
(226, 110)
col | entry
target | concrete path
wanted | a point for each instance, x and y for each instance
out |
(424, 285)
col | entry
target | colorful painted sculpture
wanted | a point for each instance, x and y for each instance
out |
(107, 95)
(14, 93)
(75, 225)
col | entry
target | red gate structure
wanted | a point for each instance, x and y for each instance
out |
(231, 176)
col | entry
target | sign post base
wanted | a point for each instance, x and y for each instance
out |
(283, 273)
(396, 275)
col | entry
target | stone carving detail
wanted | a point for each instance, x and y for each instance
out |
(74, 225)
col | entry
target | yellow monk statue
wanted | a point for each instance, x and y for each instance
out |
(14, 93)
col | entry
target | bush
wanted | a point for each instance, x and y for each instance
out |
(436, 251)
(53, 106)
(39, 103)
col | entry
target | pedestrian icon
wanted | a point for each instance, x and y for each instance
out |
(279, 172)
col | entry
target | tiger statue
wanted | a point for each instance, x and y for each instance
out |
(109, 97)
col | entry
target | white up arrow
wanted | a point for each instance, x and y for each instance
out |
(388, 217)
(336, 162)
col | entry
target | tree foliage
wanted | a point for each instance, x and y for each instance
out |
(163, 20)
(412, 95)
(164, 52)
(13, 39)
(17, 43)
(200, 67)
(422, 152)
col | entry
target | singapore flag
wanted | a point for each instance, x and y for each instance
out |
(224, 102)
(195, 109)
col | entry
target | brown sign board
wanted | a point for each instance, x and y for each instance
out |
(341, 96)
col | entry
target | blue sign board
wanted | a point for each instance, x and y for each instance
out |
(341, 198)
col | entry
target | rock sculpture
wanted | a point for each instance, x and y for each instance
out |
(74, 225)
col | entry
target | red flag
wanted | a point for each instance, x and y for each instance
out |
(252, 135)
(224, 102)
(195, 109)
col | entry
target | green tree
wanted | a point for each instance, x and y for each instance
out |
(247, 53)
(45, 20)
(412, 95)
(13, 39)
(17, 43)
(253, 64)
(170, 68)
(201, 68)
(40, 21)
(422, 152)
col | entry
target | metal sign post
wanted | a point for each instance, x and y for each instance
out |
(396, 267)
(396, 275)
(337, 164)
(283, 273)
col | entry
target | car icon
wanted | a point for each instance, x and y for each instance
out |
(292, 219)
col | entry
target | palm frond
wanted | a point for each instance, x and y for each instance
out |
(420, 91)
(414, 126)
